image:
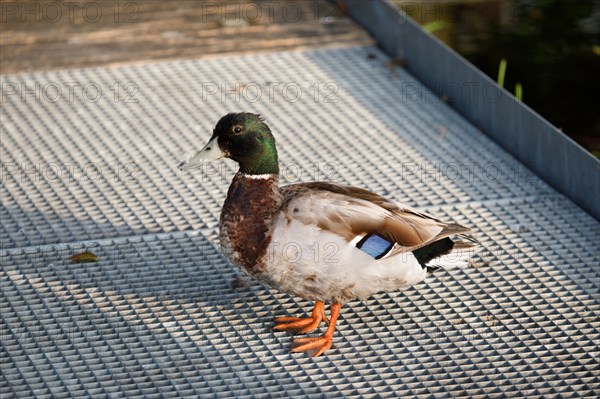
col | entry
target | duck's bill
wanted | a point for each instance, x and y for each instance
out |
(210, 152)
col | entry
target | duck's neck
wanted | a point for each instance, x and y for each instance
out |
(252, 202)
(253, 190)
(262, 162)
(271, 177)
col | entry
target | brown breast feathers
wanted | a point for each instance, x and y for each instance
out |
(246, 220)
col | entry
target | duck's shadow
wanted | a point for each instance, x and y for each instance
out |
(172, 266)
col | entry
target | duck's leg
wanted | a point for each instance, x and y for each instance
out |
(318, 345)
(302, 325)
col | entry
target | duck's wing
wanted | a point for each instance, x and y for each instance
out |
(355, 213)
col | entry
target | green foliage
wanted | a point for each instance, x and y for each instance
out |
(502, 75)
(501, 72)
(435, 26)
(552, 46)
(519, 91)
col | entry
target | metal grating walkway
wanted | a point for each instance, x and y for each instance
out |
(162, 314)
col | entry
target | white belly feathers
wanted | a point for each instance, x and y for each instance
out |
(321, 266)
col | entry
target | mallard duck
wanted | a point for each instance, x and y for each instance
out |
(325, 242)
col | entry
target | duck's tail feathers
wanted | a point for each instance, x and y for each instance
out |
(460, 249)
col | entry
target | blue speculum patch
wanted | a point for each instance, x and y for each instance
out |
(374, 245)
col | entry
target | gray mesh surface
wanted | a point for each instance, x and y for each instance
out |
(164, 314)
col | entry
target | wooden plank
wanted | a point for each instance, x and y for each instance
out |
(48, 34)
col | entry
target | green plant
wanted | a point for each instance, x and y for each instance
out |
(502, 75)
(435, 26)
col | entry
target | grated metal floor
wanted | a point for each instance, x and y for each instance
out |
(163, 314)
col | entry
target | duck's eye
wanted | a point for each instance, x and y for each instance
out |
(237, 129)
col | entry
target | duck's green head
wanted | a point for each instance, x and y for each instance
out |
(243, 137)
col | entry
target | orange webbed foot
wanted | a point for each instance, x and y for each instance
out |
(302, 325)
(313, 346)
(318, 345)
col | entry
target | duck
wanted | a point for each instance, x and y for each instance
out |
(326, 242)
